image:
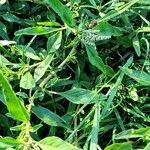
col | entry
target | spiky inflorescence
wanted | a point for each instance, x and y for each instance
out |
(92, 36)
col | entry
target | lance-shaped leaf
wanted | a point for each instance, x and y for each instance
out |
(47, 116)
(63, 11)
(133, 133)
(113, 13)
(106, 29)
(41, 69)
(81, 96)
(55, 143)
(147, 146)
(140, 76)
(96, 61)
(14, 105)
(136, 45)
(54, 42)
(8, 141)
(120, 146)
(38, 30)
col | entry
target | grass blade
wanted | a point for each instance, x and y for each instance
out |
(114, 89)
(136, 45)
(120, 10)
(95, 129)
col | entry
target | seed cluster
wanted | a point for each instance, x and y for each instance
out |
(92, 36)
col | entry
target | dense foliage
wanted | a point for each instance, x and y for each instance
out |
(74, 74)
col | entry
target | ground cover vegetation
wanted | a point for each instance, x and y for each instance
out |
(74, 74)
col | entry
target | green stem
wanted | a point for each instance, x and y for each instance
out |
(81, 123)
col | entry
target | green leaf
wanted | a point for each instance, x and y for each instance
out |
(54, 42)
(143, 29)
(17, 128)
(147, 147)
(55, 143)
(95, 129)
(133, 133)
(27, 51)
(12, 18)
(36, 127)
(93, 2)
(115, 88)
(118, 11)
(47, 116)
(38, 30)
(63, 11)
(48, 23)
(8, 141)
(81, 96)
(41, 69)
(5, 146)
(96, 61)
(6, 43)
(4, 61)
(106, 29)
(3, 31)
(2, 96)
(120, 146)
(145, 2)
(14, 105)
(136, 45)
(27, 81)
(140, 76)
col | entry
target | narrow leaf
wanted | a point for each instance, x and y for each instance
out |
(4, 61)
(115, 88)
(106, 29)
(9, 141)
(140, 76)
(120, 146)
(39, 30)
(95, 129)
(136, 45)
(120, 10)
(6, 43)
(14, 105)
(147, 147)
(55, 143)
(54, 42)
(81, 96)
(49, 23)
(96, 61)
(133, 133)
(63, 11)
(143, 29)
(145, 2)
(3, 31)
(47, 116)
(41, 69)
(27, 51)
(93, 2)
(12, 18)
